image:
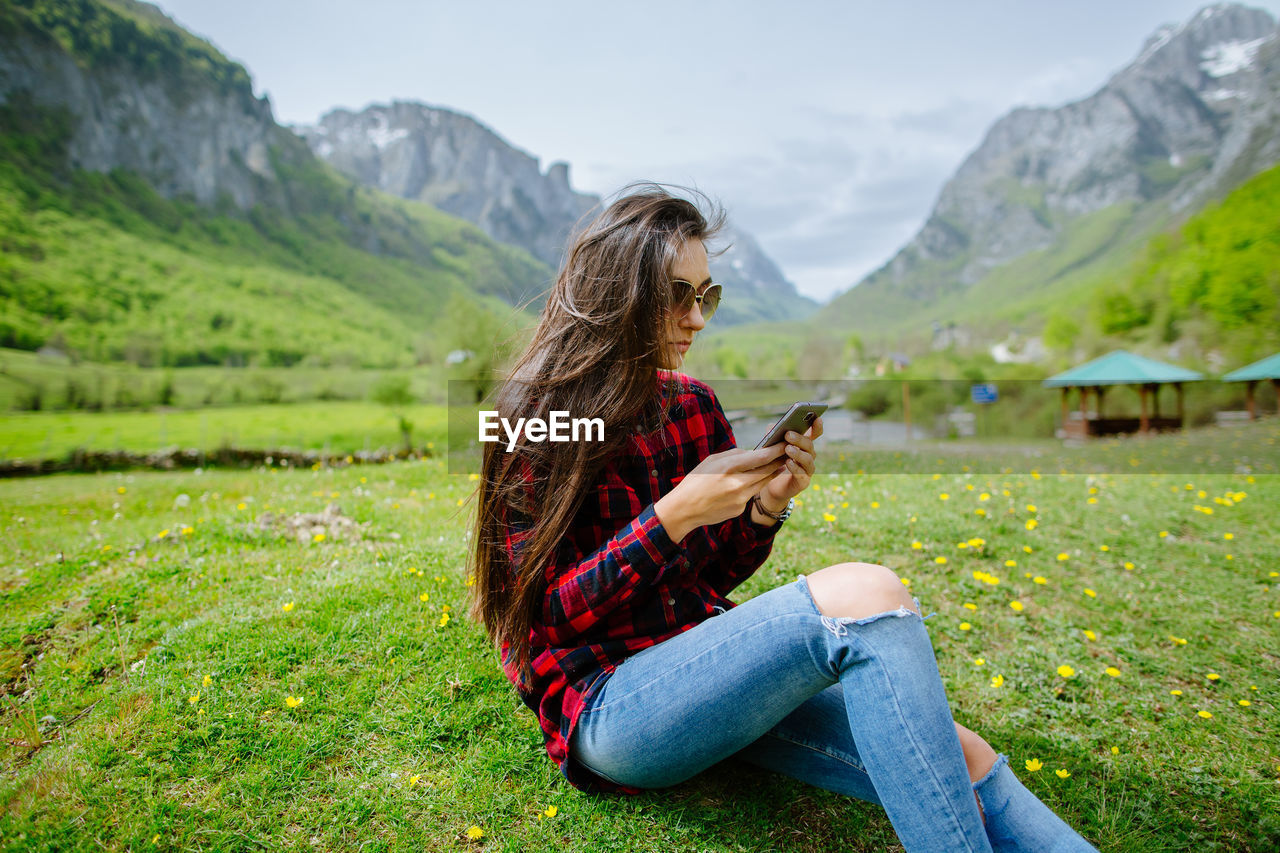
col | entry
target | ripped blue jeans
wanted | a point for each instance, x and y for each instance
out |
(852, 706)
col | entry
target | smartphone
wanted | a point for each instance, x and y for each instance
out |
(797, 418)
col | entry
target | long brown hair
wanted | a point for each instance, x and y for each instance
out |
(594, 354)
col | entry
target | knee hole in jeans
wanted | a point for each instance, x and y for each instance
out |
(859, 591)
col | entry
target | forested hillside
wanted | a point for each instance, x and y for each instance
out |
(110, 258)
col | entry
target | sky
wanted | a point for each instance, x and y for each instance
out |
(826, 128)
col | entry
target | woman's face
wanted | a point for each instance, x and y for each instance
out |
(690, 266)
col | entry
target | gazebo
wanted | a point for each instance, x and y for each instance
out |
(1252, 374)
(1120, 368)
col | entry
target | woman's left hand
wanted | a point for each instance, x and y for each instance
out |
(800, 465)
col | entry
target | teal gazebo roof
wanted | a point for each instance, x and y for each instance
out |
(1122, 368)
(1267, 368)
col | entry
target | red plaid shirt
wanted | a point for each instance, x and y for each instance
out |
(618, 583)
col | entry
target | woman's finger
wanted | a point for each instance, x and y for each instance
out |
(804, 442)
(807, 461)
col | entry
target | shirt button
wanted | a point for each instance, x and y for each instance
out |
(653, 473)
(671, 602)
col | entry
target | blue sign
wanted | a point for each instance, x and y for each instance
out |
(984, 393)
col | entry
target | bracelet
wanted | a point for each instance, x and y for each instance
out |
(776, 516)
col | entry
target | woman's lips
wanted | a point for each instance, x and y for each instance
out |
(683, 346)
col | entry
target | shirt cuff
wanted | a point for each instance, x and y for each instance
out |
(657, 542)
(760, 531)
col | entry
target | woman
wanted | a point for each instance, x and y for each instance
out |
(603, 568)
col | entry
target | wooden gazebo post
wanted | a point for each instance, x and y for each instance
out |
(1144, 423)
(1177, 386)
(1066, 407)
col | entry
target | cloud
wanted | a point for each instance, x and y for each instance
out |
(836, 194)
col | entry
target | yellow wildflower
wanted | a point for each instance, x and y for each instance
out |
(1090, 635)
(965, 626)
(917, 545)
(475, 833)
(194, 699)
(551, 811)
(944, 497)
(206, 681)
(1128, 567)
(969, 605)
(1113, 672)
(1016, 606)
(1213, 676)
(293, 701)
(1066, 671)
(1204, 714)
(1031, 524)
(828, 517)
(1040, 579)
(1027, 548)
(941, 561)
(1062, 774)
(413, 780)
(424, 596)
(1034, 764)
(1090, 593)
(1175, 692)
(1064, 556)
(319, 537)
(287, 606)
(997, 680)
(979, 661)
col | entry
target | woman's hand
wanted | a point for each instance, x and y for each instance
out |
(718, 488)
(801, 461)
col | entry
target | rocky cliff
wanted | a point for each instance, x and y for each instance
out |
(1193, 115)
(455, 163)
(145, 96)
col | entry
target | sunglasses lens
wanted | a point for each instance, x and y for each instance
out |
(682, 296)
(710, 301)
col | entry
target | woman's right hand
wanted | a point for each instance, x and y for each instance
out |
(718, 488)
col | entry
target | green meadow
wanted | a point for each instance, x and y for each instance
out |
(188, 663)
(339, 427)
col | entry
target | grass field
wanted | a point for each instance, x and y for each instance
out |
(341, 427)
(203, 681)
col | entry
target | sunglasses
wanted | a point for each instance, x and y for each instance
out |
(684, 294)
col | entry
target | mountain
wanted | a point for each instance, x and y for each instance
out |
(151, 209)
(452, 161)
(1053, 201)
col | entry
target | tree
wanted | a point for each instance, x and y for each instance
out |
(393, 392)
